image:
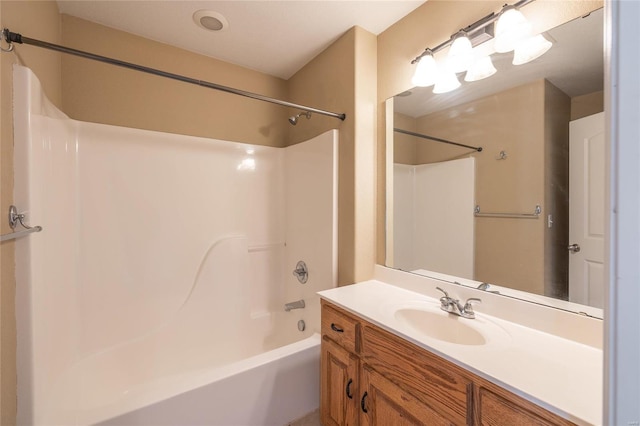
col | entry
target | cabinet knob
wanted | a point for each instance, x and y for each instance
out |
(336, 328)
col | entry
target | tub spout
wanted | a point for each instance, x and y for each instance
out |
(298, 304)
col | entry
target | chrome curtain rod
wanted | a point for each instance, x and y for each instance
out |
(420, 135)
(11, 37)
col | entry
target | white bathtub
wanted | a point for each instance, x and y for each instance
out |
(155, 293)
(271, 388)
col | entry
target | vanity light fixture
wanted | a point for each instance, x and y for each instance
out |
(426, 71)
(460, 54)
(481, 68)
(530, 49)
(512, 28)
(512, 33)
(447, 81)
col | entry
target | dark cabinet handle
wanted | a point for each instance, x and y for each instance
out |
(364, 409)
(348, 389)
(337, 329)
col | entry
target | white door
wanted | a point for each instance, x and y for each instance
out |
(586, 210)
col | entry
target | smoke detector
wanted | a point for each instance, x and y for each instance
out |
(210, 20)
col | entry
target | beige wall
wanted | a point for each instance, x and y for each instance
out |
(38, 20)
(343, 79)
(428, 26)
(585, 105)
(103, 93)
(404, 146)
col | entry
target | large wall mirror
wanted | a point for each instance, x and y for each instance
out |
(526, 214)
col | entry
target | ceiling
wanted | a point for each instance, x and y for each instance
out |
(276, 37)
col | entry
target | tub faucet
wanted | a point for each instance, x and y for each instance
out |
(453, 306)
(298, 304)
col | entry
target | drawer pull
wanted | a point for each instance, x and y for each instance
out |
(336, 328)
(348, 389)
(362, 404)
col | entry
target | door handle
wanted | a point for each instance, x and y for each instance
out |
(574, 248)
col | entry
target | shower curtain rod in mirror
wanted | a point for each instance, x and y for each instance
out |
(11, 37)
(420, 135)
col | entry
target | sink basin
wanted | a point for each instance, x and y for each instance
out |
(433, 323)
(445, 327)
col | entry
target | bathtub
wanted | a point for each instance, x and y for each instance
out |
(155, 292)
(272, 388)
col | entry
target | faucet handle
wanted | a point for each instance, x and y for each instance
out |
(468, 307)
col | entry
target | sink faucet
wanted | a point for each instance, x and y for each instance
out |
(484, 286)
(453, 306)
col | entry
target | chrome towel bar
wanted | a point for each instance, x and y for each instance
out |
(16, 218)
(536, 213)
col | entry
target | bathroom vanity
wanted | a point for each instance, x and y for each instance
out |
(390, 356)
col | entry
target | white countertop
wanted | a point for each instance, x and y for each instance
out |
(559, 374)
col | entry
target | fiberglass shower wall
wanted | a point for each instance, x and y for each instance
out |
(130, 219)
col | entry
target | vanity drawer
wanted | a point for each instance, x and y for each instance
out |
(496, 406)
(433, 380)
(340, 327)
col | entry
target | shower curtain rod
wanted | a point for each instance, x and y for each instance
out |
(11, 37)
(420, 135)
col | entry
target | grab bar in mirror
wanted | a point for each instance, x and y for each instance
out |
(16, 218)
(536, 213)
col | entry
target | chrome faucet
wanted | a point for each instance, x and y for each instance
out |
(485, 287)
(298, 304)
(453, 306)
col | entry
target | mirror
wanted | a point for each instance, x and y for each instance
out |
(514, 214)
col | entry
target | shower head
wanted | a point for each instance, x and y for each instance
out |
(294, 118)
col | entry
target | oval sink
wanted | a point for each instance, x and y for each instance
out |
(441, 325)
(431, 322)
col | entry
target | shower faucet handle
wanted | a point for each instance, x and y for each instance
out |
(301, 272)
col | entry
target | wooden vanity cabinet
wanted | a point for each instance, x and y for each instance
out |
(496, 406)
(372, 377)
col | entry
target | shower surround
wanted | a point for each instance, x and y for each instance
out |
(156, 290)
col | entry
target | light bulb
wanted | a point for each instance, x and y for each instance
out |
(426, 72)
(446, 82)
(512, 27)
(460, 54)
(481, 68)
(530, 49)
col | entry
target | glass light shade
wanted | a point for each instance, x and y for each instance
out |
(512, 27)
(481, 68)
(460, 54)
(426, 72)
(446, 82)
(530, 49)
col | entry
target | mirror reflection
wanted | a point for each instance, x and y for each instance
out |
(527, 212)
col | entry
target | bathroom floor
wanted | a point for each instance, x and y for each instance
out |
(311, 419)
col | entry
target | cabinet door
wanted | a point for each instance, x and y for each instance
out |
(383, 403)
(338, 385)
